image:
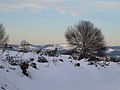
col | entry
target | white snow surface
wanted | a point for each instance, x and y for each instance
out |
(110, 50)
(58, 75)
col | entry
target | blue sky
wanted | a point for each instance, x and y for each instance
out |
(45, 21)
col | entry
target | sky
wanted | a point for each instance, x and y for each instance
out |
(45, 21)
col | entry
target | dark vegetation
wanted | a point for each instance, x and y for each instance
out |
(42, 59)
(3, 36)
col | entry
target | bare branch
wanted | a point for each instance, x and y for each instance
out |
(84, 36)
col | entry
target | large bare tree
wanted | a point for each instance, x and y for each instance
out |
(85, 37)
(3, 36)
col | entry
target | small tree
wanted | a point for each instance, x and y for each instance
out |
(3, 37)
(24, 46)
(86, 38)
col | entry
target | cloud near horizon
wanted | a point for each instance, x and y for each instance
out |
(72, 7)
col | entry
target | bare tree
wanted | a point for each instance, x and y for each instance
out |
(24, 46)
(3, 37)
(85, 37)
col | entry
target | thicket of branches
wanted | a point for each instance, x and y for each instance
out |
(3, 36)
(24, 46)
(86, 38)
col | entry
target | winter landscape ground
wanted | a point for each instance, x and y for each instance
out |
(59, 73)
(59, 44)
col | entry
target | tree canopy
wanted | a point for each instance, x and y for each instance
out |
(3, 36)
(85, 37)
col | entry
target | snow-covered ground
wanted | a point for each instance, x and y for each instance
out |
(58, 75)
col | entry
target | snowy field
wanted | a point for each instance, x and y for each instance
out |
(57, 75)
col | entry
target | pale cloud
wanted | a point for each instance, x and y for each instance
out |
(105, 4)
(16, 7)
(61, 9)
(75, 13)
(73, 7)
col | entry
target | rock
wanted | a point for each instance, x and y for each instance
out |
(61, 60)
(77, 65)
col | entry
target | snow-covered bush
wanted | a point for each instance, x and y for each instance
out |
(52, 52)
(24, 66)
(61, 60)
(24, 47)
(1, 67)
(42, 59)
(77, 65)
(33, 65)
(93, 58)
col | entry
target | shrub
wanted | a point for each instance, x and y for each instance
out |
(2, 67)
(61, 60)
(77, 65)
(33, 65)
(93, 58)
(42, 59)
(24, 66)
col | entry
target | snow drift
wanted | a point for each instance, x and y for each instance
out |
(58, 75)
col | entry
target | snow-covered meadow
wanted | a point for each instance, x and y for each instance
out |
(57, 74)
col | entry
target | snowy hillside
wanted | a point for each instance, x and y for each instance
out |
(59, 73)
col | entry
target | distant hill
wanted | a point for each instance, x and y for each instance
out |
(113, 51)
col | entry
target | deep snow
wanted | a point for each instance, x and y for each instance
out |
(58, 75)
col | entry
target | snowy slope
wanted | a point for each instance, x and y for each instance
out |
(58, 75)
